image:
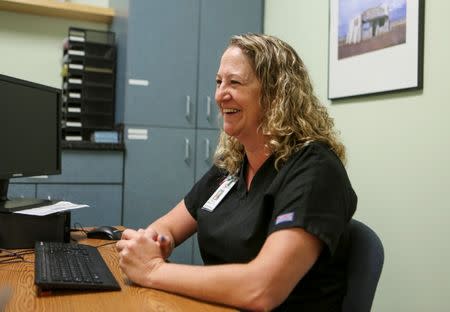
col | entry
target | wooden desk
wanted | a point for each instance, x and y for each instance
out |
(20, 277)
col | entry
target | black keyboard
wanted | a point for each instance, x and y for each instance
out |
(73, 266)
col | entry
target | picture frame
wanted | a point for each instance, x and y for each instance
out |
(375, 46)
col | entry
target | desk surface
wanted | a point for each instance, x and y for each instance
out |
(19, 277)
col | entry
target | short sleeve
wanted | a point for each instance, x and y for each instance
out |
(203, 189)
(315, 194)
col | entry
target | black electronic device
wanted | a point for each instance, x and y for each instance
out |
(22, 231)
(73, 266)
(30, 134)
(105, 232)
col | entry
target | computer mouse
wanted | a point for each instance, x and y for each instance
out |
(105, 232)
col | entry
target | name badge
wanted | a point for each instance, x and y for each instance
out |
(220, 193)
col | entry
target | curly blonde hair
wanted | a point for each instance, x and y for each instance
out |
(292, 114)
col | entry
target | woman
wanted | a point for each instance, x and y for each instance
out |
(272, 213)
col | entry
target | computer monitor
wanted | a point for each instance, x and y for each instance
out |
(30, 134)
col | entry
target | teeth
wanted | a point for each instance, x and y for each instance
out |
(230, 110)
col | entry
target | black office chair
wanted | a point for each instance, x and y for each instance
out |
(365, 263)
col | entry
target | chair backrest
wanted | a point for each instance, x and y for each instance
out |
(365, 263)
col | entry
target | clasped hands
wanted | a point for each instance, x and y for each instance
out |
(141, 252)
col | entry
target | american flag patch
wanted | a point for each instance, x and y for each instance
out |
(286, 217)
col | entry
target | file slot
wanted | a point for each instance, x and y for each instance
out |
(76, 38)
(76, 52)
(74, 95)
(74, 124)
(75, 81)
(76, 66)
(73, 109)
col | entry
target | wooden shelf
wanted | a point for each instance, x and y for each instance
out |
(59, 9)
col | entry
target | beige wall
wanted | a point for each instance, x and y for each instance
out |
(31, 46)
(399, 156)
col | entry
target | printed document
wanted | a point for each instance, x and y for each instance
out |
(49, 209)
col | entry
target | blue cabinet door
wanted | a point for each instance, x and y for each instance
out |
(162, 51)
(21, 190)
(206, 147)
(159, 171)
(196, 256)
(105, 201)
(84, 166)
(219, 21)
(89, 166)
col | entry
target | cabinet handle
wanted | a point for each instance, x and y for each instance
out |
(207, 150)
(188, 107)
(208, 107)
(186, 150)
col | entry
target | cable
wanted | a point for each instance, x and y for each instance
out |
(15, 256)
(81, 229)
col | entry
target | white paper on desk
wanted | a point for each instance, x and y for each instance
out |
(46, 210)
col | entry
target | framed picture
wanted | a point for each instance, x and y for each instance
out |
(375, 46)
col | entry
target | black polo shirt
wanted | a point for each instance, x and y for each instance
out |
(311, 191)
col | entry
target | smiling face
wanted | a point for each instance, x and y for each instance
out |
(238, 93)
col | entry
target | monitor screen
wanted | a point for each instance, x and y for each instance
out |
(30, 129)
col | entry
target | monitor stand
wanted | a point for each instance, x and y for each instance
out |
(16, 204)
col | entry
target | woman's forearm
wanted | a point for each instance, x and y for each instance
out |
(177, 224)
(261, 285)
(238, 285)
